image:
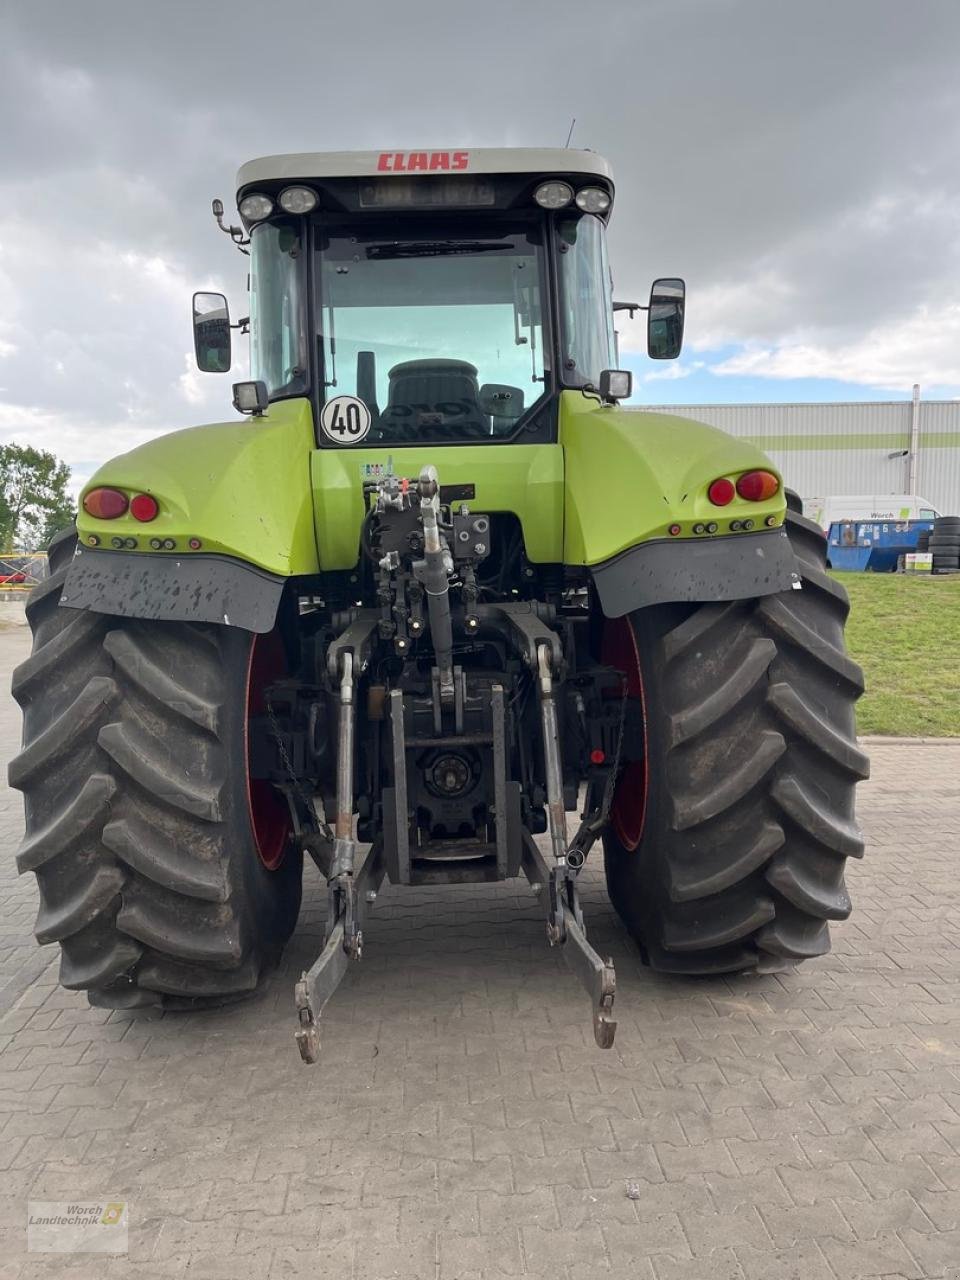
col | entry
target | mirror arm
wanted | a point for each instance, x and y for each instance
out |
(630, 307)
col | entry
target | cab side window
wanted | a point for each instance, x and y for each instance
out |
(586, 299)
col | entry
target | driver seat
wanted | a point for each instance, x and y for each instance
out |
(434, 399)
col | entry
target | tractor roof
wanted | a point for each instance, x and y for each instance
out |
(358, 164)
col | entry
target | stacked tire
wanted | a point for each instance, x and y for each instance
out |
(944, 544)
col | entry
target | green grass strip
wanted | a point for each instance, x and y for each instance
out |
(904, 630)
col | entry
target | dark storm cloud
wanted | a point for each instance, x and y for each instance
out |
(797, 162)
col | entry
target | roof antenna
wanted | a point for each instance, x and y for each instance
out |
(570, 134)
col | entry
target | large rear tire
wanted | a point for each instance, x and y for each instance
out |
(151, 848)
(728, 842)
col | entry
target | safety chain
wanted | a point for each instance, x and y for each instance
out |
(295, 783)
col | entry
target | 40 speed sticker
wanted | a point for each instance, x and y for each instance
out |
(345, 419)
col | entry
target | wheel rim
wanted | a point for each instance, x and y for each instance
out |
(629, 810)
(269, 812)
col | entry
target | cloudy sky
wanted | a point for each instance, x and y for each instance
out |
(798, 161)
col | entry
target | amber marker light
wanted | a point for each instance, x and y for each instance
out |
(105, 504)
(758, 486)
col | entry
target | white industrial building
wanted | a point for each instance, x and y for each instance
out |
(875, 447)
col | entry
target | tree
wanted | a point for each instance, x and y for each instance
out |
(34, 503)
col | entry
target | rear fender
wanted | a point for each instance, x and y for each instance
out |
(632, 477)
(241, 490)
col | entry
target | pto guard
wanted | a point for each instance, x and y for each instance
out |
(239, 489)
(631, 476)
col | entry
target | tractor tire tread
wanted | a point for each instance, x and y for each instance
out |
(728, 787)
(151, 765)
(143, 669)
(150, 852)
(703, 714)
(687, 885)
(67, 827)
(753, 765)
(88, 895)
(701, 927)
(133, 818)
(804, 721)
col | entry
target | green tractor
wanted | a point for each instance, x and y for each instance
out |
(435, 590)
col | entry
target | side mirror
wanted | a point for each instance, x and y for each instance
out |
(614, 385)
(498, 400)
(665, 319)
(211, 332)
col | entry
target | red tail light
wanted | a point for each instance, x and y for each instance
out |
(144, 508)
(721, 492)
(105, 504)
(757, 486)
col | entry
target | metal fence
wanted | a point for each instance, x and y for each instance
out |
(21, 571)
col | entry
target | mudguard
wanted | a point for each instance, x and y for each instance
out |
(636, 490)
(721, 568)
(236, 505)
(198, 589)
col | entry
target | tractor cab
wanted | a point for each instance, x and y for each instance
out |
(431, 296)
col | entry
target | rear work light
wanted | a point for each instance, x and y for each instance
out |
(298, 200)
(758, 486)
(721, 492)
(105, 504)
(144, 508)
(553, 195)
(256, 207)
(592, 200)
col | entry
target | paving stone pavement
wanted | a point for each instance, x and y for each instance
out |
(462, 1126)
